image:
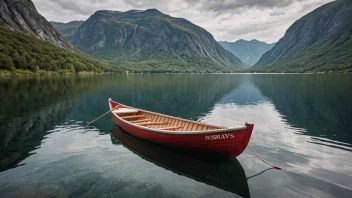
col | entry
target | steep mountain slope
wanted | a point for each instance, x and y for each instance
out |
(20, 53)
(152, 41)
(319, 41)
(248, 51)
(28, 43)
(67, 29)
(22, 16)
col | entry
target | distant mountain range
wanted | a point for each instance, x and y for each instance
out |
(67, 29)
(319, 41)
(248, 51)
(152, 41)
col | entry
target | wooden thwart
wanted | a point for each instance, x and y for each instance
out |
(131, 117)
(138, 121)
(151, 123)
(170, 128)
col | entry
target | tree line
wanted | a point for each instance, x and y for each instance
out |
(19, 51)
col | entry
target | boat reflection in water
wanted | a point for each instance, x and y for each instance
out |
(219, 171)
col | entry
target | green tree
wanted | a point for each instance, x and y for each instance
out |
(6, 62)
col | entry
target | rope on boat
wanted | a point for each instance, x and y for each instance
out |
(103, 115)
(274, 166)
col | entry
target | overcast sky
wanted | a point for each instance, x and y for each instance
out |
(230, 20)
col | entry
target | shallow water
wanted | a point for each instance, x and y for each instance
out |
(302, 123)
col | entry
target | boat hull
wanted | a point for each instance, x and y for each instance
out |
(229, 142)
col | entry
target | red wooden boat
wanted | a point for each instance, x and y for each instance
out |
(173, 131)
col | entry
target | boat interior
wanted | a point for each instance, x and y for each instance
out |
(160, 122)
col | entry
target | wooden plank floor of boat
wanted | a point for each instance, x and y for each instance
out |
(160, 122)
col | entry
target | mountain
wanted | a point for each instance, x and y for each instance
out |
(67, 29)
(22, 53)
(152, 41)
(248, 51)
(30, 44)
(318, 42)
(22, 16)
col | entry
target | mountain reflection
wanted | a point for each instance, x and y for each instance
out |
(312, 105)
(317, 103)
(245, 94)
(33, 106)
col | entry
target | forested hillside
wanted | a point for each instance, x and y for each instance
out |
(20, 52)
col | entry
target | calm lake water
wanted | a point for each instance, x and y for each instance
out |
(303, 123)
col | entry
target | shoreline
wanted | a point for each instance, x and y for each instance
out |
(27, 73)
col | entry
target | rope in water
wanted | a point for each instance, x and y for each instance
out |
(274, 166)
(260, 173)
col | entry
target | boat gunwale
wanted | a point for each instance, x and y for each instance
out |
(221, 130)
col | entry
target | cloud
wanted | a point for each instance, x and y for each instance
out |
(228, 20)
(276, 13)
(226, 5)
(72, 6)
